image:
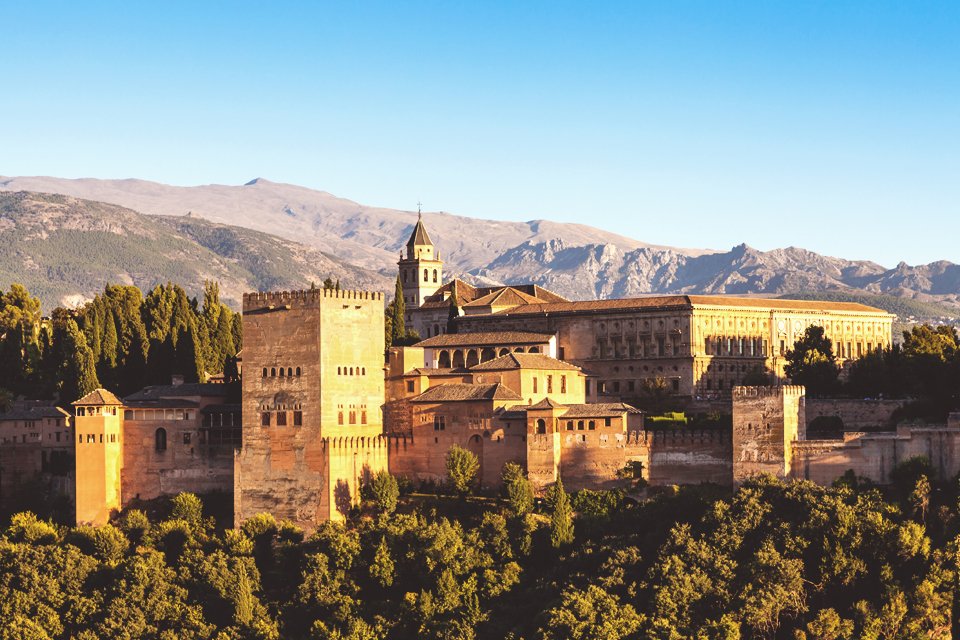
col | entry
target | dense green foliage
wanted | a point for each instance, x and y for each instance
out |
(772, 560)
(120, 340)
(903, 308)
(812, 363)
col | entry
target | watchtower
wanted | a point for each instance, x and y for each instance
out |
(99, 456)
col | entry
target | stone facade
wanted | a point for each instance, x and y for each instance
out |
(36, 446)
(766, 422)
(313, 386)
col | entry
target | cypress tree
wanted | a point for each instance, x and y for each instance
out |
(78, 373)
(561, 520)
(236, 329)
(108, 353)
(224, 336)
(398, 323)
(188, 357)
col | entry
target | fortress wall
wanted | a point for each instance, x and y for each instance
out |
(856, 414)
(874, 455)
(424, 458)
(688, 456)
(398, 417)
(594, 464)
(351, 463)
(148, 473)
(766, 421)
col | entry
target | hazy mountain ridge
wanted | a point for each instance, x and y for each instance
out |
(65, 249)
(575, 260)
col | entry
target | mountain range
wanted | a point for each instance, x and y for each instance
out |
(363, 243)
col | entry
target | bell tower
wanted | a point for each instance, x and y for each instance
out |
(421, 271)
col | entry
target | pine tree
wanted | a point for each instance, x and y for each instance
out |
(561, 519)
(397, 321)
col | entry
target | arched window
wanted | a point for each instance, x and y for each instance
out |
(281, 372)
(434, 275)
(273, 372)
(289, 372)
(351, 370)
(426, 275)
(160, 439)
(541, 426)
(298, 372)
(264, 372)
(364, 372)
(339, 371)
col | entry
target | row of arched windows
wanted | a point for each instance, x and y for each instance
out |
(351, 371)
(289, 372)
(426, 275)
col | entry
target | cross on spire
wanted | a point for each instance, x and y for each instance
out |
(419, 212)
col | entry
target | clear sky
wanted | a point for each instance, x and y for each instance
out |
(833, 126)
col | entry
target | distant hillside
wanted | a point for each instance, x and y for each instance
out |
(65, 250)
(578, 261)
(905, 309)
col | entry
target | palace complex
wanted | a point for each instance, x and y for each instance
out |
(513, 374)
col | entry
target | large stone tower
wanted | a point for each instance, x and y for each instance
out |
(766, 422)
(421, 271)
(98, 428)
(312, 391)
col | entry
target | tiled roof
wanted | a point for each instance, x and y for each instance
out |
(465, 293)
(546, 403)
(524, 361)
(596, 410)
(419, 235)
(98, 397)
(437, 371)
(33, 413)
(686, 302)
(485, 338)
(190, 389)
(464, 392)
(505, 297)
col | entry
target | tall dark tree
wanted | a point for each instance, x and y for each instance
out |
(398, 315)
(812, 362)
(189, 360)
(78, 373)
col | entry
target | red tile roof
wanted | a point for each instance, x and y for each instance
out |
(485, 338)
(465, 392)
(524, 361)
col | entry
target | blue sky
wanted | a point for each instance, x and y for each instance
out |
(833, 126)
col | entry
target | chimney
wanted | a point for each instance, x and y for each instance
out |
(176, 379)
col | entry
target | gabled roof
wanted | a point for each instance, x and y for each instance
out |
(464, 292)
(524, 361)
(547, 403)
(599, 410)
(505, 297)
(460, 392)
(419, 235)
(98, 397)
(485, 339)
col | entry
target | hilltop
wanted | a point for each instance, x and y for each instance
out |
(65, 250)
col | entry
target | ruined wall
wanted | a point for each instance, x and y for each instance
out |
(766, 421)
(874, 455)
(857, 415)
(688, 456)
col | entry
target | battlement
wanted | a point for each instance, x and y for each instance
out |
(681, 437)
(787, 390)
(357, 442)
(304, 298)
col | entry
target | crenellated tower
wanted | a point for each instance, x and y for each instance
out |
(421, 271)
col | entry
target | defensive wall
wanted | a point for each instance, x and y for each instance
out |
(857, 415)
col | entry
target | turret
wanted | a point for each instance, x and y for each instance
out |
(98, 429)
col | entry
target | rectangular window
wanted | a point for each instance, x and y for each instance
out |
(587, 387)
(410, 386)
(281, 418)
(579, 425)
(186, 438)
(339, 417)
(439, 423)
(58, 436)
(563, 384)
(534, 384)
(606, 422)
(363, 417)
(353, 417)
(549, 384)
(592, 425)
(265, 419)
(631, 386)
(298, 418)
(560, 353)
(101, 438)
(616, 386)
